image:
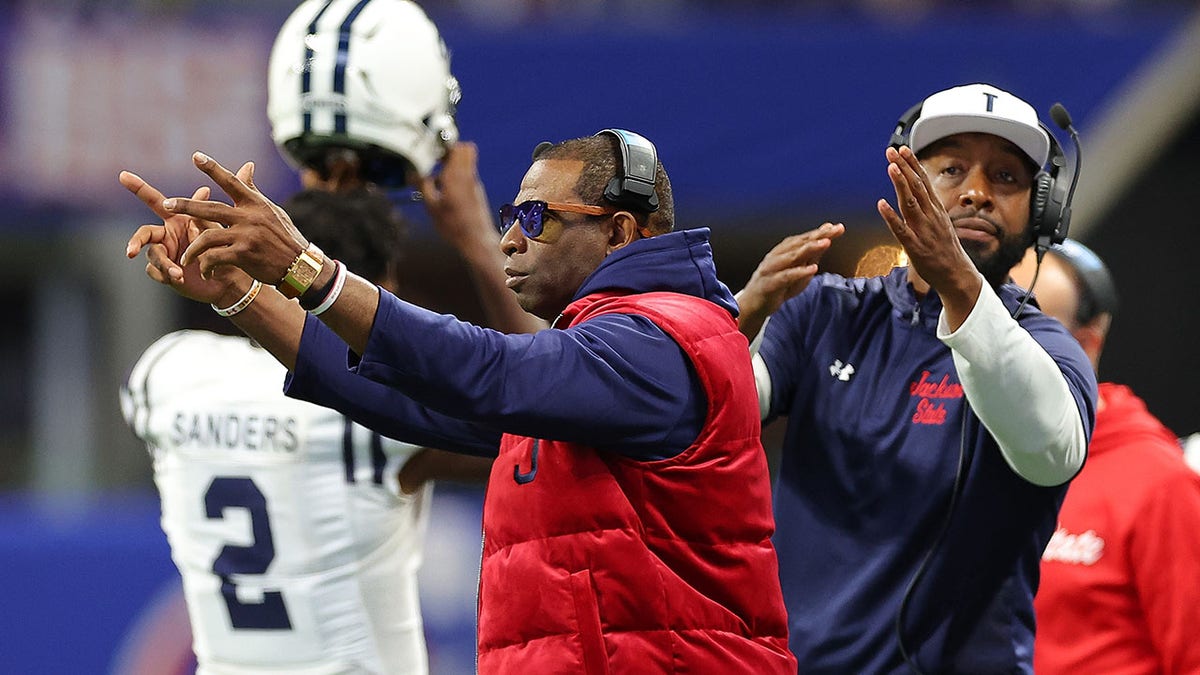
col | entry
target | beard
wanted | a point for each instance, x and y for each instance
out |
(995, 266)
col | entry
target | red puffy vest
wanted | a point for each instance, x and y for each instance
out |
(600, 564)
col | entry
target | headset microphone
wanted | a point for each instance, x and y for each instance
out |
(1058, 113)
(1052, 201)
(1062, 118)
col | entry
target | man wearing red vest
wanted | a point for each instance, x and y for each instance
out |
(627, 524)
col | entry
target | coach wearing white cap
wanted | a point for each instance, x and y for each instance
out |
(931, 434)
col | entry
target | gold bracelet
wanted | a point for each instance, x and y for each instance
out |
(303, 272)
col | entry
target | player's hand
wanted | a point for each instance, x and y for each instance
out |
(922, 225)
(258, 236)
(458, 206)
(783, 273)
(164, 245)
(457, 202)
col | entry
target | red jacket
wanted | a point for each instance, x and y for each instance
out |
(1120, 588)
(601, 564)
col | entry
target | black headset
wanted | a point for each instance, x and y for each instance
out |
(1050, 200)
(634, 186)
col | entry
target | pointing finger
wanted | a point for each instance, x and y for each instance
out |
(224, 178)
(144, 191)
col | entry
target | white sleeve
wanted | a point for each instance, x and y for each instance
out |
(1018, 392)
(762, 380)
(756, 343)
(762, 376)
(1191, 450)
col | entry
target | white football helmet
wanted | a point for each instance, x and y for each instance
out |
(369, 75)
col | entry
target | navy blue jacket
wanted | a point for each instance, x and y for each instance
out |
(616, 383)
(874, 432)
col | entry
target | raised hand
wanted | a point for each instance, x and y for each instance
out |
(164, 245)
(458, 206)
(258, 236)
(922, 225)
(456, 200)
(783, 273)
(166, 241)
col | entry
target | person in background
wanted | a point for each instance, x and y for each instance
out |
(932, 428)
(299, 534)
(1121, 575)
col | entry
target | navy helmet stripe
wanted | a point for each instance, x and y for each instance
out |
(306, 67)
(378, 459)
(343, 55)
(348, 450)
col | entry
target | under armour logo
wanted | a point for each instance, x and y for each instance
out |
(841, 371)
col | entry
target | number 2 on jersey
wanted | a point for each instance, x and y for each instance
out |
(241, 492)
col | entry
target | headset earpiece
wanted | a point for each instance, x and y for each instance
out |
(633, 187)
(540, 148)
(904, 125)
(1039, 199)
(1048, 216)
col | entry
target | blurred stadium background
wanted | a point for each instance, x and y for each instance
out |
(771, 117)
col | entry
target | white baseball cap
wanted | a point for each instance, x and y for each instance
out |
(980, 108)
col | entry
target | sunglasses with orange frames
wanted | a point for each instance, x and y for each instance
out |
(529, 214)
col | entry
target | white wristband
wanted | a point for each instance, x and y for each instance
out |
(241, 304)
(338, 282)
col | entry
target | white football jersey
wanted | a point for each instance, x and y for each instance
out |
(298, 552)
